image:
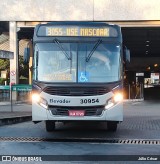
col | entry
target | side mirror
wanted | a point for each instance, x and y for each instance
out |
(37, 58)
(26, 55)
(126, 55)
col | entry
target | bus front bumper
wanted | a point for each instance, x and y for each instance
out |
(114, 113)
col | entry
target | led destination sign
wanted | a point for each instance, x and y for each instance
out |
(84, 31)
(52, 31)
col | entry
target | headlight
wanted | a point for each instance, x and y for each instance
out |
(42, 102)
(35, 97)
(118, 97)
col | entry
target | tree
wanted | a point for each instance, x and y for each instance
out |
(4, 64)
(23, 68)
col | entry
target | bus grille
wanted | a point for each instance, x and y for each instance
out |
(75, 91)
(62, 111)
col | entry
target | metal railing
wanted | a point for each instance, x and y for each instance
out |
(4, 95)
(134, 92)
(23, 92)
(24, 96)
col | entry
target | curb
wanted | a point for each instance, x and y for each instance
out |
(15, 103)
(14, 120)
(133, 100)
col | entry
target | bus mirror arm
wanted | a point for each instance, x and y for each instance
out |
(36, 58)
(126, 55)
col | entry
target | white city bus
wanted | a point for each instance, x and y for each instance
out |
(77, 73)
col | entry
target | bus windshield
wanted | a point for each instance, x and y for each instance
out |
(52, 65)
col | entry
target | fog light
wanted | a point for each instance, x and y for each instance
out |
(109, 104)
(43, 103)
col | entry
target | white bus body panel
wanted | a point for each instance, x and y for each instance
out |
(114, 113)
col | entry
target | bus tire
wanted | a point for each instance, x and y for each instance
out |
(50, 126)
(112, 125)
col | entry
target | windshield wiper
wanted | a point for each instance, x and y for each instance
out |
(93, 50)
(62, 49)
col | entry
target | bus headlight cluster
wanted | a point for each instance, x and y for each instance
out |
(109, 103)
(35, 97)
(118, 97)
(42, 102)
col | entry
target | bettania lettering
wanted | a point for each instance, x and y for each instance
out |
(64, 101)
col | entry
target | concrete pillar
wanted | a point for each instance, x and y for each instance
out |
(13, 62)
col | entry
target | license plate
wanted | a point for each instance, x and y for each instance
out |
(79, 113)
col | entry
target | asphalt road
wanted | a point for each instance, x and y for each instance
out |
(141, 121)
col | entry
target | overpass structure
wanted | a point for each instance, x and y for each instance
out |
(140, 22)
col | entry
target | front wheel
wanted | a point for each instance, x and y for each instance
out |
(50, 126)
(112, 125)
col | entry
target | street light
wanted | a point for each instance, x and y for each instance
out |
(155, 65)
